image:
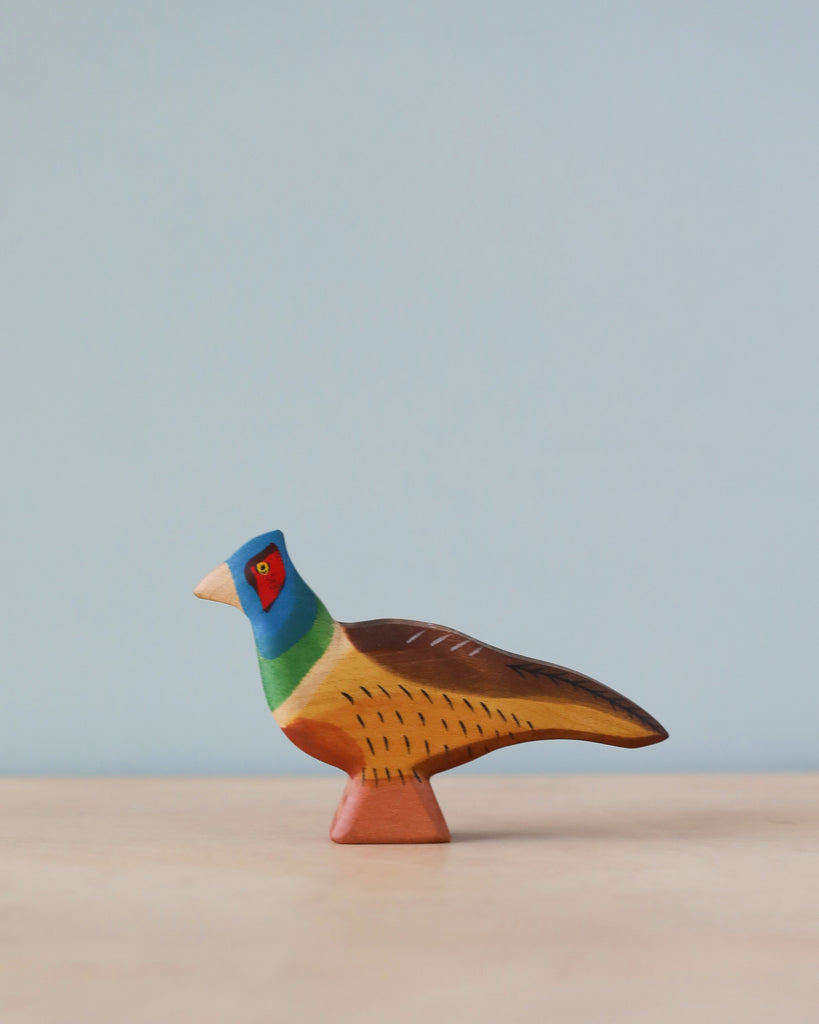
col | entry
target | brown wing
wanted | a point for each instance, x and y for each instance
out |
(425, 654)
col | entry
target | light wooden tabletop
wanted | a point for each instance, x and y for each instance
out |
(563, 899)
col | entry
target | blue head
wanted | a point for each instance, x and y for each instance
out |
(260, 579)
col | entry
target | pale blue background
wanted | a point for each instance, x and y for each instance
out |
(505, 313)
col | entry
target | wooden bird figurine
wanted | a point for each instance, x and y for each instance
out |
(392, 702)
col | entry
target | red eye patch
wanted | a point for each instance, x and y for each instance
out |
(266, 574)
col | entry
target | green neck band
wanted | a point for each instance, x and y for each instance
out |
(281, 676)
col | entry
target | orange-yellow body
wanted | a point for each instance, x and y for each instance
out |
(379, 718)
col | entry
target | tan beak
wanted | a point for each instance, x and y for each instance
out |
(219, 586)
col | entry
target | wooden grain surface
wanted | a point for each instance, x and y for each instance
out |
(601, 899)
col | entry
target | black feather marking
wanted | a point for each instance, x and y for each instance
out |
(370, 745)
(406, 691)
(399, 716)
(363, 774)
(446, 747)
(517, 720)
(486, 709)
(557, 675)
(364, 688)
(421, 716)
(478, 727)
(469, 751)
(446, 698)
(375, 775)
(417, 776)
(380, 716)
(361, 721)
(463, 727)
(349, 698)
(386, 742)
(497, 733)
(385, 692)
(530, 725)
(426, 744)
(468, 704)
(503, 716)
(407, 743)
(427, 695)
(444, 724)
(389, 777)
(403, 780)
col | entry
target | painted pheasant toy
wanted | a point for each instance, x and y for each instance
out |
(392, 702)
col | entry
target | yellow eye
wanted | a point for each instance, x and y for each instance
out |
(263, 568)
